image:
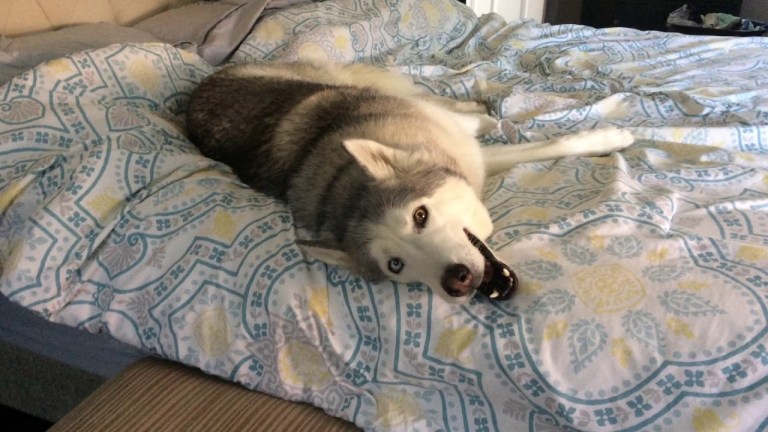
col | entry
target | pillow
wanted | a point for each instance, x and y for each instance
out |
(211, 29)
(20, 17)
(22, 53)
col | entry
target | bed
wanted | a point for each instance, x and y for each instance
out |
(642, 303)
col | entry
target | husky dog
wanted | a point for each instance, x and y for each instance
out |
(387, 176)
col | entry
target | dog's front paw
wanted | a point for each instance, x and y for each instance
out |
(599, 141)
(486, 124)
(469, 107)
(613, 139)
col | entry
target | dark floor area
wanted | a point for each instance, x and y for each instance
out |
(18, 421)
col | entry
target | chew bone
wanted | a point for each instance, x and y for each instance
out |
(500, 281)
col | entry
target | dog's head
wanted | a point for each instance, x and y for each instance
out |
(417, 222)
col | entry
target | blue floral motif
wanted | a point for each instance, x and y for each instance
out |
(625, 247)
(482, 425)
(669, 384)
(643, 327)
(506, 330)
(412, 338)
(586, 339)
(684, 303)
(761, 353)
(541, 270)
(663, 273)
(734, 372)
(605, 417)
(413, 310)
(556, 301)
(514, 362)
(694, 378)
(256, 367)
(534, 387)
(639, 405)
(578, 254)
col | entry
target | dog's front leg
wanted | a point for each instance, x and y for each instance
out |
(472, 116)
(500, 158)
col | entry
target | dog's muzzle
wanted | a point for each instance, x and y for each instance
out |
(457, 280)
(499, 281)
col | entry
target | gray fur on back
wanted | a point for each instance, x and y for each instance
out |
(284, 138)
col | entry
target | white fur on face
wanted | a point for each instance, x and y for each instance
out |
(427, 252)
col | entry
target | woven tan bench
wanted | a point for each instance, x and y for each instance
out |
(157, 395)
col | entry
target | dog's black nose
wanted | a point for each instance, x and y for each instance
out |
(457, 280)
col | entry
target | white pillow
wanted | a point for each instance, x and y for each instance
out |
(25, 52)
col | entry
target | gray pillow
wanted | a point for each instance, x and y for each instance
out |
(213, 30)
(25, 52)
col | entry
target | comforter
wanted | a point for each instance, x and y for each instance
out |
(643, 273)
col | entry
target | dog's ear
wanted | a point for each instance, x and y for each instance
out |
(325, 253)
(376, 159)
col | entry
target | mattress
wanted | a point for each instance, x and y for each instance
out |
(643, 292)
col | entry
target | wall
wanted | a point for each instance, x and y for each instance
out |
(755, 9)
(563, 12)
(510, 9)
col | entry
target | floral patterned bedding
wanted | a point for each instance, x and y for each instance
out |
(643, 273)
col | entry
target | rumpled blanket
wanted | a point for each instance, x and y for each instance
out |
(643, 273)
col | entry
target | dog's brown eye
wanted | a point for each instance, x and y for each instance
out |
(420, 216)
(395, 265)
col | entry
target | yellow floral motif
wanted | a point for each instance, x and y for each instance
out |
(692, 285)
(9, 195)
(311, 51)
(534, 213)
(753, 254)
(533, 180)
(187, 55)
(453, 342)
(212, 332)
(14, 257)
(223, 225)
(529, 288)
(597, 241)
(104, 204)
(60, 66)
(621, 352)
(517, 44)
(396, 408)
(608, 288)
(707, 420)
(145, 74)
(269, 31)
(658, 255)
(301, 365)
(547, 254)
(341, 42)
(319, 304)
(678, 135)
(555, 330)
(680, 328)
(432, 14)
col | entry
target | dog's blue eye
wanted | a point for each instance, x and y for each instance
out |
(420, 216)
(395, 265)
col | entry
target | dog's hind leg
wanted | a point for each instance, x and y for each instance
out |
(500, 158)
